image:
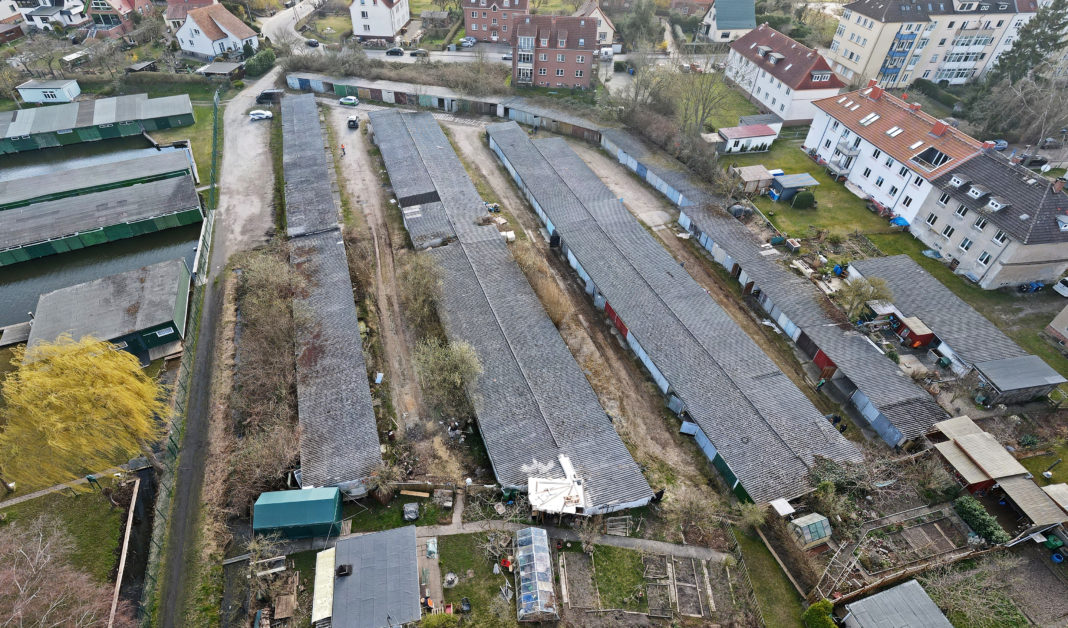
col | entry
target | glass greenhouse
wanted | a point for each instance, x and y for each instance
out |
(535, 595)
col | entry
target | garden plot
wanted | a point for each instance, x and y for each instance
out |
(581, 590)
(912, 540)
(689, 580)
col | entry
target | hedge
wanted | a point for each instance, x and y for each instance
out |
(982, 522)
(819, 615)
(932, 90)
(259, 63)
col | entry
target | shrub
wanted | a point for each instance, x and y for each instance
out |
(982, 522)
(803, 200)
(935, 92)
(260, 63)
(441, 620)
(818, 615)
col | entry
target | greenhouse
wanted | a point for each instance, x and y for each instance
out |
(811, 530)
(535, 596)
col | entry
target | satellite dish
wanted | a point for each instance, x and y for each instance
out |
(1046, 168)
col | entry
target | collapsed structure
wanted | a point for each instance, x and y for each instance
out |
(752, 422)
(338, 432)
(541, 422)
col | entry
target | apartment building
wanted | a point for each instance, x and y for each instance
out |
(783, 76)
(727, 20)
(886, 147)
(553, 51)
(998, 223)
(898, 41)
(379, 19)
(489, 20)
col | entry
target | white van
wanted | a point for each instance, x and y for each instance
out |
(606, 53)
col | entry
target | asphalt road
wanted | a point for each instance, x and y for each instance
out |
(242, 221)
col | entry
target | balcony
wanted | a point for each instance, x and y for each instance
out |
(846, 147)
(840, 167)
(524, 60)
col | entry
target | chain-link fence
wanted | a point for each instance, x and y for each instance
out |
(172, 445)
(748, 597)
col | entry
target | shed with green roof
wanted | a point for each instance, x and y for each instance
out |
(299, 514)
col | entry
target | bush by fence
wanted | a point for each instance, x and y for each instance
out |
(260, 63)
(982, 522)
(933, 91)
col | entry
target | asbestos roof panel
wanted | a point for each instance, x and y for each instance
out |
(48, 220)
(1033, 501)
(1017, 373)
(310, 205)
(990, 455)
(904, 606)
(112, 307)
(383, 588)
(91, 112)
(1058, 493)
(764, 427)
(960, 461)
(338, 432)
(956, 427)
(917, 293)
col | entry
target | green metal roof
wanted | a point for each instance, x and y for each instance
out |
(287, 509)
(735, 14)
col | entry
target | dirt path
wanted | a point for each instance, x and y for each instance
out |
(363, 187)
(650, 207)
(625, 392)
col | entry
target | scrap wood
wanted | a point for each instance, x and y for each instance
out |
(415, 494)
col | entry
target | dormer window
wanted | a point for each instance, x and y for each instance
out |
(544, 41)
(956, 181)
(976, 192)
(996, 204)
(561, 43)
(1062, 222)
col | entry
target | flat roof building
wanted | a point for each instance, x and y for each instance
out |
(305, 513)
(904, 606)
(49, 91)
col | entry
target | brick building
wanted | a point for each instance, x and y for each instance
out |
(489, 20)
(553, 51)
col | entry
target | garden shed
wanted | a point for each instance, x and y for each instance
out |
(751, 179)
(811, 530)
(746, 139)
(49, 91)
(306, 513)
(783, 187)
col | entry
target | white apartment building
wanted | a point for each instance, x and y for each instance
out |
(783, 76)
(212, 30)
(886, 147)
(899, 41)
(379, 19)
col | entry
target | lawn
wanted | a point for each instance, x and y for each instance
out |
(840, 211)
(990, 303)
(460, 554)
(734, 105)
(337, 25)
(779, 602)
(619, 578)
(1037, 464)
(5, 361)
(370, 516)
(90, 520)
(199, 135)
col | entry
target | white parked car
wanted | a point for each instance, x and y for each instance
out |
(260, 114)
(352, 101)
(1061, 287)
(467, 43)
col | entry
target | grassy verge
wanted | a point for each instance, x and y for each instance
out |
(90, 520)
(840, 211)
(778, 600)
(1037, 464)
(337, 25)
(733, 105)
(619, 578)
(460, 554)
(199, 136)
(372, 516)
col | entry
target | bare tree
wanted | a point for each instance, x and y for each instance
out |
(700, 93)
(420, 290)
(858, 291)
(587, 529)
(445, 371)
(261, 549)
(9, 80)
(38, 586)
(46, 50)
(106, 55)
(647, 81)
(970, 593)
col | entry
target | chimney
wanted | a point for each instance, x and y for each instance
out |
(872, 82)
(939, 129)
(914, 106)
(988, 145)
(1058, 186)
(876, 93)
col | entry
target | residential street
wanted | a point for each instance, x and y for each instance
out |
(243, 219)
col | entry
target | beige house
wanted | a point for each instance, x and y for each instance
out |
(896, 43)
(606, 30)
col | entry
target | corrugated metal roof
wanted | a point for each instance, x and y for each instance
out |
(287, 509)
(1033, 501)
(112, 307)
(762, 425)
(310, 205)
(532, 401)
(383, 589)
(956, 427)
(1026, 371)
(91, 112)
(904, 606)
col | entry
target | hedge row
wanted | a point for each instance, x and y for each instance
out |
(259, 63)
(982, 522)
(932, 90)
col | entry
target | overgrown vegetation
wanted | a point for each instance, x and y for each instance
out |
(420, 287)
(446, 369)
(818, 615)
(260, 63)
(982, 522)
(619, 579)
(975, 593)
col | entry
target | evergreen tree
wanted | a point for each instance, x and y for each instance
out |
(1038, 39)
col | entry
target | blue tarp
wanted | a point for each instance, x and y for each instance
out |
(900, 221)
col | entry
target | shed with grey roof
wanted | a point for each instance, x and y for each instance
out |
(91, 120)
(49, 91)
(370, 581)
(962, 334)
(904, 606)
(536, 411)
(138, 310)
(756, 427)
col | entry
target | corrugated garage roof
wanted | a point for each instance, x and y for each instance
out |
(91, 112)
(310, 205)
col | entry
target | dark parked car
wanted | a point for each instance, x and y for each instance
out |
(314, 43)
(1033, 161)
(395, 52)
(1049, 142)
(354, 122)
(419, 52)
(268, 96)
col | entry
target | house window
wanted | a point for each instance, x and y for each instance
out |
(932, 219)
(165, 332)
(504, 27)
(962, 211)
(580, 58)
(893, 190)
(561, 43)
(363, 14)
(1000, 237)
(904, 171)
(948, 231)
(493, 21)
(879, 182)
(906, 201)
(942, 200)
(782, 108)
(48, 95)
(918, 181)
(542, 72)
(474, 14)
(484, 14)
(543, 57)
(965, 244)
(867, 173)
(834, 127)
(980, 222)
(876, 153)
(545, 41)
(582, 42)
(827, 144)
(560, 58)
(984, 258)
(889, 162)
(578, 73)
(493, 8)
(366, 27)
(559, 71)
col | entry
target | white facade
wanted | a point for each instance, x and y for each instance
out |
(775, 96)
(891, 183)
(194, 38)
(49, 91)
(47, 13)
(748, 144)
(378, 19)
(710, 30)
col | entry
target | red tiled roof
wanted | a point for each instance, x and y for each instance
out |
(794, 62)
(900, 129)
(554, 27)
(742, 132)
(213, 18)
